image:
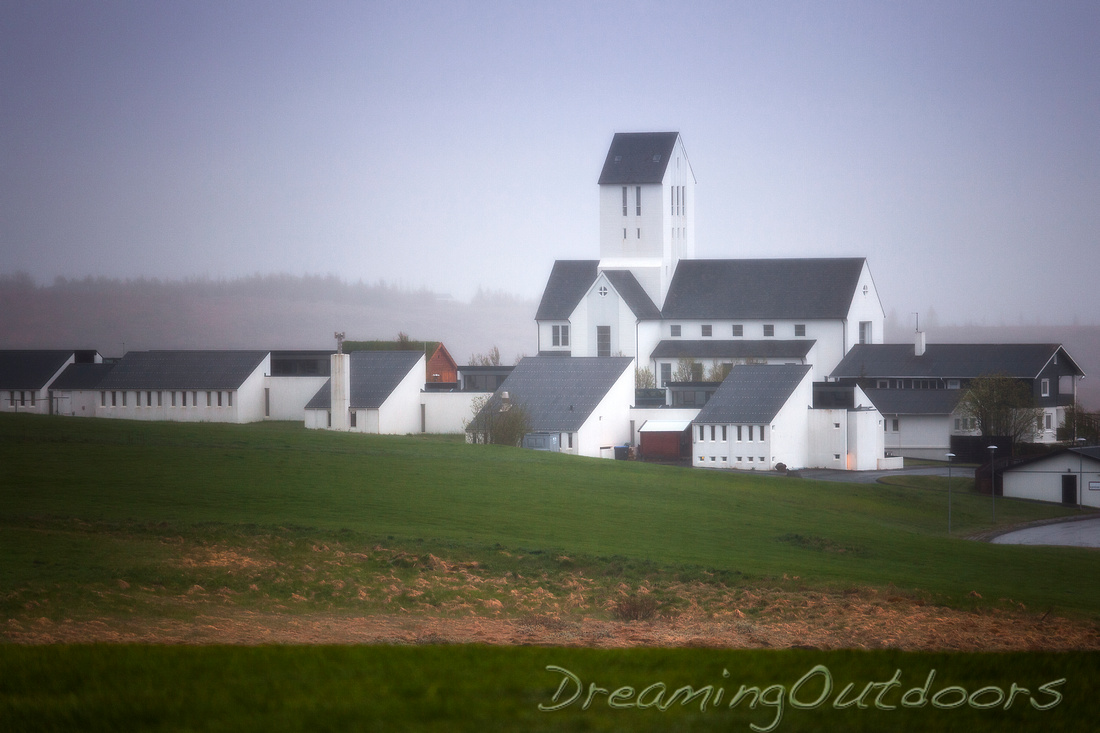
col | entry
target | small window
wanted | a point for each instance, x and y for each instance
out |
(723, 435)
(895, 424)
(1046, 387)
(761, 433)
(738, 459)
(220, 399)
(603, 291)
(836, 456)
(570, 440)
(707, 331)
(102, 399)
(624, 207)
(769, 330)
(750, 434)
(712, 428)
(836, 425)
(738, 330)
(352, 419)
(209, 400)
(1049, 421)
(624, 232)
(882, 383)
(675, 331)
(603, 340)
(638, 200)
(958, 424)
(639, 234)
(701, 436)
(229, 399)
(800, 329)
(666, 373)
(713, 459)
(739, 438)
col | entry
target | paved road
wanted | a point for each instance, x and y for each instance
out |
(872, 477)
(1078, 533)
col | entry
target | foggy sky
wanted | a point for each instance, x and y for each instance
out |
(456, 145)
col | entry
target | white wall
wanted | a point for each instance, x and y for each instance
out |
(399, 414)
(828, 439)
(290, 395)
(609, 423)
(76, 403)
(448, 412)
(918, 436)
(1042, 480)
(866, 441)
(865, 307)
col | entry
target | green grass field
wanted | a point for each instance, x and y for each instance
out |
(87, 504)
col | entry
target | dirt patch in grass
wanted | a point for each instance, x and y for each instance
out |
(230, 587)
(864, 620)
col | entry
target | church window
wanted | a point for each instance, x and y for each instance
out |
(638, 200)
(624, 200)
(603, 340)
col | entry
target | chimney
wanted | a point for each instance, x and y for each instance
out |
(919, 343)
(340, 394)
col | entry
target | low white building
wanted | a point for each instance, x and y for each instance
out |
(1070, 477)
(371, 392)
(763, 415)
(27, 375)
(185, 386)
(579, 406)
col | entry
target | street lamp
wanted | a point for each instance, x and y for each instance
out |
(1080, 469)
(993, 480)
(949, 457)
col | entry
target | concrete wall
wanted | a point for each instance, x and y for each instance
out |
(1042, 480)
(290, 395)
(448, 412)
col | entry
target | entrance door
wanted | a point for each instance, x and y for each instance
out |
(1069, 489)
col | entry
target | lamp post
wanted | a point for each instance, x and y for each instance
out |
(949, 457)
(1080, 470)
(993, 480)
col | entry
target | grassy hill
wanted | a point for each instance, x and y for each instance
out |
(477, 500)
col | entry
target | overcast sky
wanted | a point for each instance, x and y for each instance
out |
(454, 145)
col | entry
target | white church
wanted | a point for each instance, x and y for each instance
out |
(650, 299)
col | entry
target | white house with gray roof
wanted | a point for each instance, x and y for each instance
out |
(370, 392)
(648, 298)
(764, 415)
(579, 406)
(185, 386)
(917, 387)
(27, 377)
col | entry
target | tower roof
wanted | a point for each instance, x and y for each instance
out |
(638, 157)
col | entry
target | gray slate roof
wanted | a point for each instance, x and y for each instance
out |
(780, 289)
(374, 376)
(30, 368)
(637, 299)
(560, 394)
(733, 349)
(569, 281)
(182, 370)
(753, 393)
(638, 157)
(954, 361)
(82, 376)
(915, 401)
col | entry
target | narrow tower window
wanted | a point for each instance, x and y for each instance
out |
(624, 200)
(638, 200)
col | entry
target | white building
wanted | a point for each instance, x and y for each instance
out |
(1069, 477)
(27, 376)
(370, 392)
(579, 406)
(764, 415)
(648, 298)
(185, 386)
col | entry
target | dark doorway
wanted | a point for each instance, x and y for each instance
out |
(1069, 489)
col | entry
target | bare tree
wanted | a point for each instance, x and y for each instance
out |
(498, 420)
(643, 378)
(490, 359)
(1002, 406)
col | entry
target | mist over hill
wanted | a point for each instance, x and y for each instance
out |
(302, 312)
(258, 312)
